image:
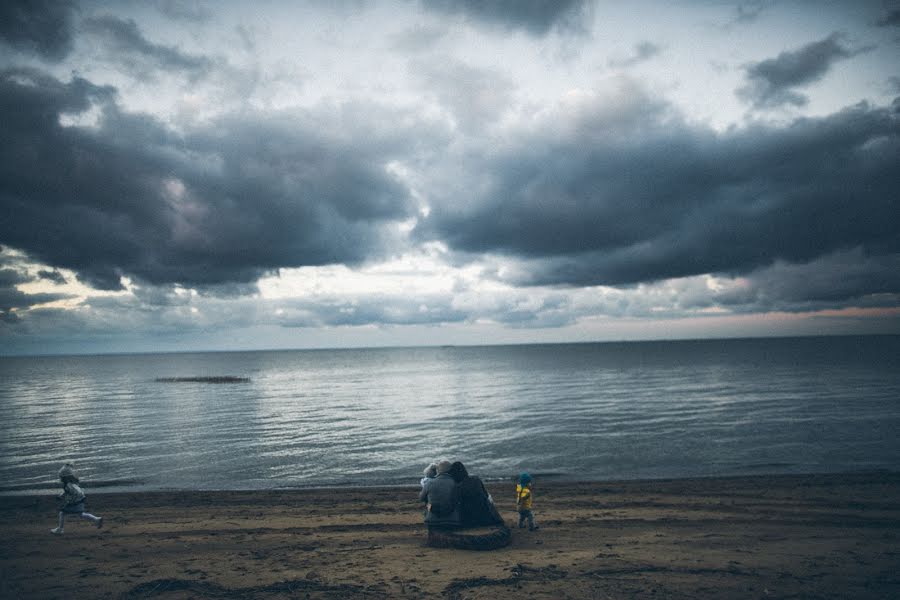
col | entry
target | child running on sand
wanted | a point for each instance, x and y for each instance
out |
(72, 500)
(523, 501)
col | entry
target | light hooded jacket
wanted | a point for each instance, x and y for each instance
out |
(442, 498)
(523, 497)
(72, 495)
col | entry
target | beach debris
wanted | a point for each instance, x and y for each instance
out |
(481, 538)
(203, 589)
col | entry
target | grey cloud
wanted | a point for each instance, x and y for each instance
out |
(474, 96)
(160, 310)
(374, 310)
(128, 46)
(184, 10)
(750, 11)
(166, 295)
(830, 282)
(138, 314)
(42, 27)
(228, 290)
(417, 39)
(890, 19)
(514, 309)
(10, 296)
(55, 276)
(553, 311)
(642, 52)
(772, 82)
(628, 198)
(12, 299)
(152, 296)
(222, 203)
(537, 17)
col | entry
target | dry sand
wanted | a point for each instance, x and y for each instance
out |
(828, 536)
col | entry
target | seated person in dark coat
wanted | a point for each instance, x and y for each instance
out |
(442, 499)
(475, 506)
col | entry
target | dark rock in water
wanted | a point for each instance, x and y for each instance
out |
(217, 379)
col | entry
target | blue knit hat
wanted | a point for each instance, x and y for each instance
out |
(524, 479)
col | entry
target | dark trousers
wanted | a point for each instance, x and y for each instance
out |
(526, 514)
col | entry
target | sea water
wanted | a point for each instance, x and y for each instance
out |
(379, 416)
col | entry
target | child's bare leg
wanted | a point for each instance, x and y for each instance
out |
(62, 523)
(98, 521)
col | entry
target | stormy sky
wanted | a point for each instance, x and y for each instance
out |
(231, 175)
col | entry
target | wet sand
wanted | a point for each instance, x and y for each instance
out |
(821, 536)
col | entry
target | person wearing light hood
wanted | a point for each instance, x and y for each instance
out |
(441, 499)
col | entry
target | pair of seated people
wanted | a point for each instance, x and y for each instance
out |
(454, 499)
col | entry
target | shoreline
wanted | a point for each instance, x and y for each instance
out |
(554, 479)
(761, 536)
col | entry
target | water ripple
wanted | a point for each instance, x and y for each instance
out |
(370, 416)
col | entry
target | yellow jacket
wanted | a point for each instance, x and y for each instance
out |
(523, 497)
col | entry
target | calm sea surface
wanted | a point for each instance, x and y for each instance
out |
(586, 411)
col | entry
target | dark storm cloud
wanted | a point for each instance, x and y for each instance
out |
(55, 276)
(634, 195)
(772, 82)
(11, 298)
(43, 27)
(537, 17)
(128, 46)
(222, 203)
(890, 19)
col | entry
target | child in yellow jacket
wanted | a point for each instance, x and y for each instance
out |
(523, 501)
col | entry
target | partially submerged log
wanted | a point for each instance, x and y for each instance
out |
(215, 379)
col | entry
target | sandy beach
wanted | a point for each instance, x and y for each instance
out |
(817, 536)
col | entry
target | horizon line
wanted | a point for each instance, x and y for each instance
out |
(448, 346)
